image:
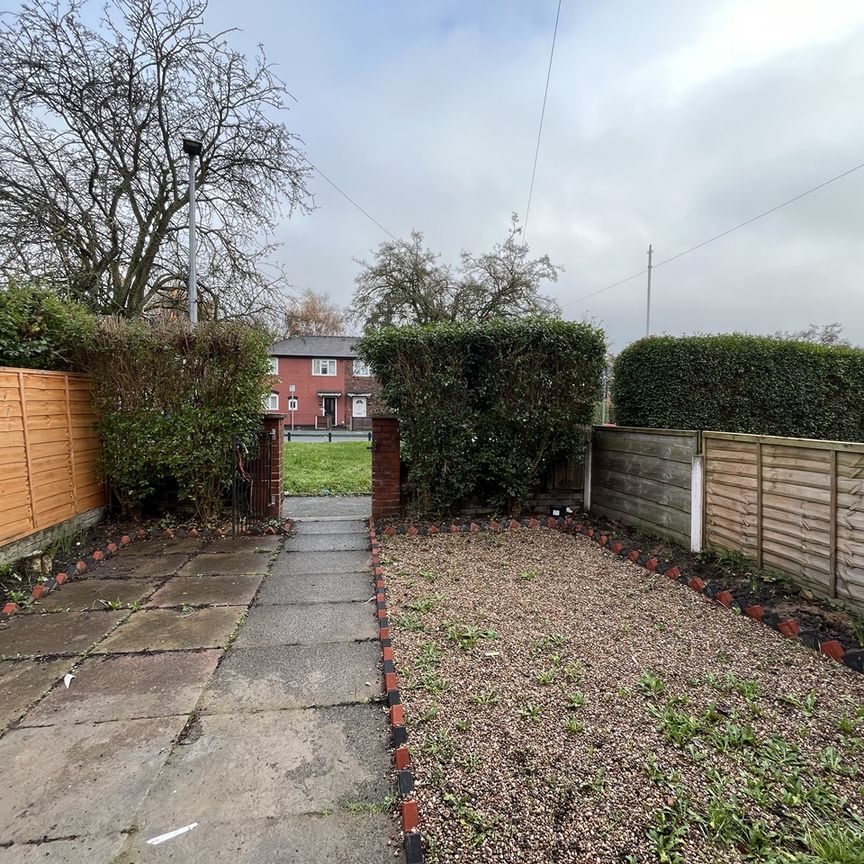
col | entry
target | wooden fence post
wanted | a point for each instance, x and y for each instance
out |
(697, 485)
(759, 504)
(27, 454)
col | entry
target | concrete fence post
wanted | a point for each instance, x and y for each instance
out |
(586, 491)
(697, 485)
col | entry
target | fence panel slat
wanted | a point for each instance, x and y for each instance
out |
(48, 451)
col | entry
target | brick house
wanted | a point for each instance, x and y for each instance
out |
(321, 384)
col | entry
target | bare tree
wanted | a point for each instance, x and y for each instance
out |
(820, 334)
(93, 180)
(312, 314)
(407, 283)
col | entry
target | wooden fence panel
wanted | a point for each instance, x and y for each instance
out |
(793, 505)
(643, 477)
(49, 451)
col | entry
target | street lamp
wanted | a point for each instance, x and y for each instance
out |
(192, 148)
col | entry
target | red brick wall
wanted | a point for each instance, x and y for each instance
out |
(274, 430)
(385, 467)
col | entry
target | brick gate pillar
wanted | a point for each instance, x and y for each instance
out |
(274, 430)
(385, 468)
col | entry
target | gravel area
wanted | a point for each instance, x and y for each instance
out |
(567, 706)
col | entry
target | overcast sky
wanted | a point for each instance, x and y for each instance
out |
(667, 122)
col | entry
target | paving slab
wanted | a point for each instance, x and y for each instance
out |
(320, 562)
(93, 850)
(272, 764)
(126, 686)
(266, 542)
(173, 630)
(207, 591)
(327, 507)
(212, 563)
(24, 681)
(55, 633)
(137, 567)
(95, 594)
(307, 623)
(161, 546)
(332, 588)
(295, 676)
(328, 526)
(308, 839)
(328, 543)
(89, 780)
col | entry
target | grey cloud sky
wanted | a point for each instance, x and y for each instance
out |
(667, 122)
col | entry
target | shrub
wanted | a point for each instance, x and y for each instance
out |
(172, 401)
(483, 408)
(737, 383)
(39, 330)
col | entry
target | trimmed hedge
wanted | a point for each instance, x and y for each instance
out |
(39, 330)
(737, 383)
(484, 408)
(172, 401)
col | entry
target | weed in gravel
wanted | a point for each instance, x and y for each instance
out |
(531, 711)
(733, 736)
(429, 576)
(598, 782)
(439, 746)
(487, 697)
(462, 725)
(428, 679)
(547, 676)
(468, 635)
(573, 726)
(748, 689)
(425, 604)
(409, 621)
(482, 827)
(676, 726)
(667, 834)
(529, 575)
(574, 671)
(807, 704)
(651, 685)
(847, 725)
(469, 763)
(835, 843)
(576, 699)
(429, 656)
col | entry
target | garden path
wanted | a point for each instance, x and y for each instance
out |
(231, 685)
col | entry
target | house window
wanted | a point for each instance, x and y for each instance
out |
(323, 367)
(359, 406)
(273, 402)
(274, 365)
(361, 370)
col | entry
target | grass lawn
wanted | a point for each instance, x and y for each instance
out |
(566, 706)
(343, 468)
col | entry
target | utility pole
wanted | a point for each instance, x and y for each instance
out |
(192, 148)
(648, 310)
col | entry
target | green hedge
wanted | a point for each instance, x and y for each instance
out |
(739, 383)
(39, 330)
(172, 400)
(483, 408)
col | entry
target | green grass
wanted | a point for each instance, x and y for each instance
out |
(343, 468)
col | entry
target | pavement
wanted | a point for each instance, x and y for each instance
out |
(327, 507)
(234, 685)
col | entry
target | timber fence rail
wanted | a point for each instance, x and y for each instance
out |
(49, 451)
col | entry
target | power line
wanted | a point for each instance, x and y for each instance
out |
(542, 115)
(728, 231)
(347, 197)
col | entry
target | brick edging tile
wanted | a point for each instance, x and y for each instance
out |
(408, 807)
(853, 659)
(111, 548)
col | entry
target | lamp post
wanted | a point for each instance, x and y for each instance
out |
(192, 148)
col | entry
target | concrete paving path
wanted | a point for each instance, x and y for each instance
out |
(268, 730)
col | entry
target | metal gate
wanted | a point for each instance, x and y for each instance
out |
(251, 489)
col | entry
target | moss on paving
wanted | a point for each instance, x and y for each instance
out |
(343, 468)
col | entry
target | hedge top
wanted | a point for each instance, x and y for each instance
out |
(739, 383)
